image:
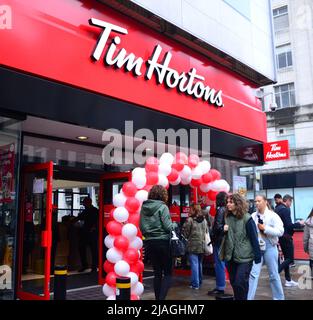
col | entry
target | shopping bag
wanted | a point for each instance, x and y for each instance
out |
(208, 248)
(178, 245)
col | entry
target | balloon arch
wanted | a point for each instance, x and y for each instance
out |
(124, 243)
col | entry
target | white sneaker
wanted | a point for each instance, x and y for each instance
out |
(291, 283)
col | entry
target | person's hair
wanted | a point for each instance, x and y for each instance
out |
(158, 193)
(311, 214)
(265, 199)
(278, 196)
(240, 203)
(195, 210)
(287, 197)
(87, 201)
(221, 199)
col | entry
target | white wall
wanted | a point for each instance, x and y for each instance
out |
(249, 40)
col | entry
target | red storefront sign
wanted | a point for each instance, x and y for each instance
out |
(278, 150)
(175, 213)
(6, 172)
(70, 42)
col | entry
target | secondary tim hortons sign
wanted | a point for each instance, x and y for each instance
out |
(189, 82)
(278, 150)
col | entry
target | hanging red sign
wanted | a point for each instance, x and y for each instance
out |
(277, 150)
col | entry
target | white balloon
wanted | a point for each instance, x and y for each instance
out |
(196, 173)
(133, 278)
(167, 158)
(137, 289)
(185, 173)
(129, 231)
(136, 243)
(139, 172)
(121, 268)
(205, 166)
(163, 181)
(119, 200)
(108, 241)
(142, 195)
(114, 255)
(185, 181)
(108, 291)
(111, 297)
(165, 168)
(223, 185)
(204, 187)
(215, 185)
(177, 182)
(120, 214)
(139, 180)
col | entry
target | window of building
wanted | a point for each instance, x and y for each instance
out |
(285, 95)
(287, 133)
(281, 20)
(242, 6)
(283, 56)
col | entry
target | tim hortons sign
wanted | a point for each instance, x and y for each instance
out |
(278, 150)
(189, 82)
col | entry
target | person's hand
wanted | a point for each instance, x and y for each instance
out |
(301, 222)
(225, 227)
(261, 227)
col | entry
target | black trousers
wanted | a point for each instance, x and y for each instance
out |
(160, 256)
(286, 244)
(88, 239)
(239, 278)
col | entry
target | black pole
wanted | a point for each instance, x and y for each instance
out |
(123, 288)
(60, 274)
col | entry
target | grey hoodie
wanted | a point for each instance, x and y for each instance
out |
(308, 237)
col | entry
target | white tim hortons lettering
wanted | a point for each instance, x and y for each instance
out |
(275, 155)
(275, 147)
(122, 59)
(104, 36)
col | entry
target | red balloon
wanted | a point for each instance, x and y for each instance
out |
(110, 279)
(129, 189)
(152, 178)
(178, 166)
(212, 195)
(147, 188)
(196, 182)
(111, 214)
(152, 164)
(173, 175)
(108, 266)
(193, 160)
(114, 228)
(132, 205)
(180, 160)
(181, 157)
(121, 243)
(216, 175)
(134, 218)
(134, 297)
(137, 267)
(207, 178)
(131, 255)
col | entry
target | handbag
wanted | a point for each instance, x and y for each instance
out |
(178, 245)
(208, 248)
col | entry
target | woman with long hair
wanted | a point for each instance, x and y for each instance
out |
(308, 239)
(194, 230)
(240, 245)
(156, 226)
(270, 227)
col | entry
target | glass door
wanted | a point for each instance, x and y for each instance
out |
(110, 185)
(35, 232)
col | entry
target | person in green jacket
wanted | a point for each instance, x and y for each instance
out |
(156, 227)
(240, 246)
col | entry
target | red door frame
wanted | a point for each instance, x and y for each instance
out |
(46, 235)
(103, 178)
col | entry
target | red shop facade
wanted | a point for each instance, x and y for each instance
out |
(84, 64)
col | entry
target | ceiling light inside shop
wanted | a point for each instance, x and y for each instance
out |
(82, 138)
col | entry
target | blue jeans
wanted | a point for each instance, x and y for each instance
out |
(219, 267)
(270, 258)
(196, 269)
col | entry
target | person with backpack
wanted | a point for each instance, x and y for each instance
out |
(240, 245)
(194, 230)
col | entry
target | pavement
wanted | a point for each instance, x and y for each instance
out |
(180, 288)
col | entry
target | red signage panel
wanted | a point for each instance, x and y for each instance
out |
(90, 46)
(277, 150)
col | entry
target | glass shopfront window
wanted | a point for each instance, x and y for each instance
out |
(9, 167)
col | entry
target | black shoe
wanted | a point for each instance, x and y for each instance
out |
(82, 269)
(94, 270)
(215, 292)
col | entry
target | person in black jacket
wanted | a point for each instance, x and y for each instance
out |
(286, 241)
(217, 236)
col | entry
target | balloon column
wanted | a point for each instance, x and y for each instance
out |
(124, 238)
